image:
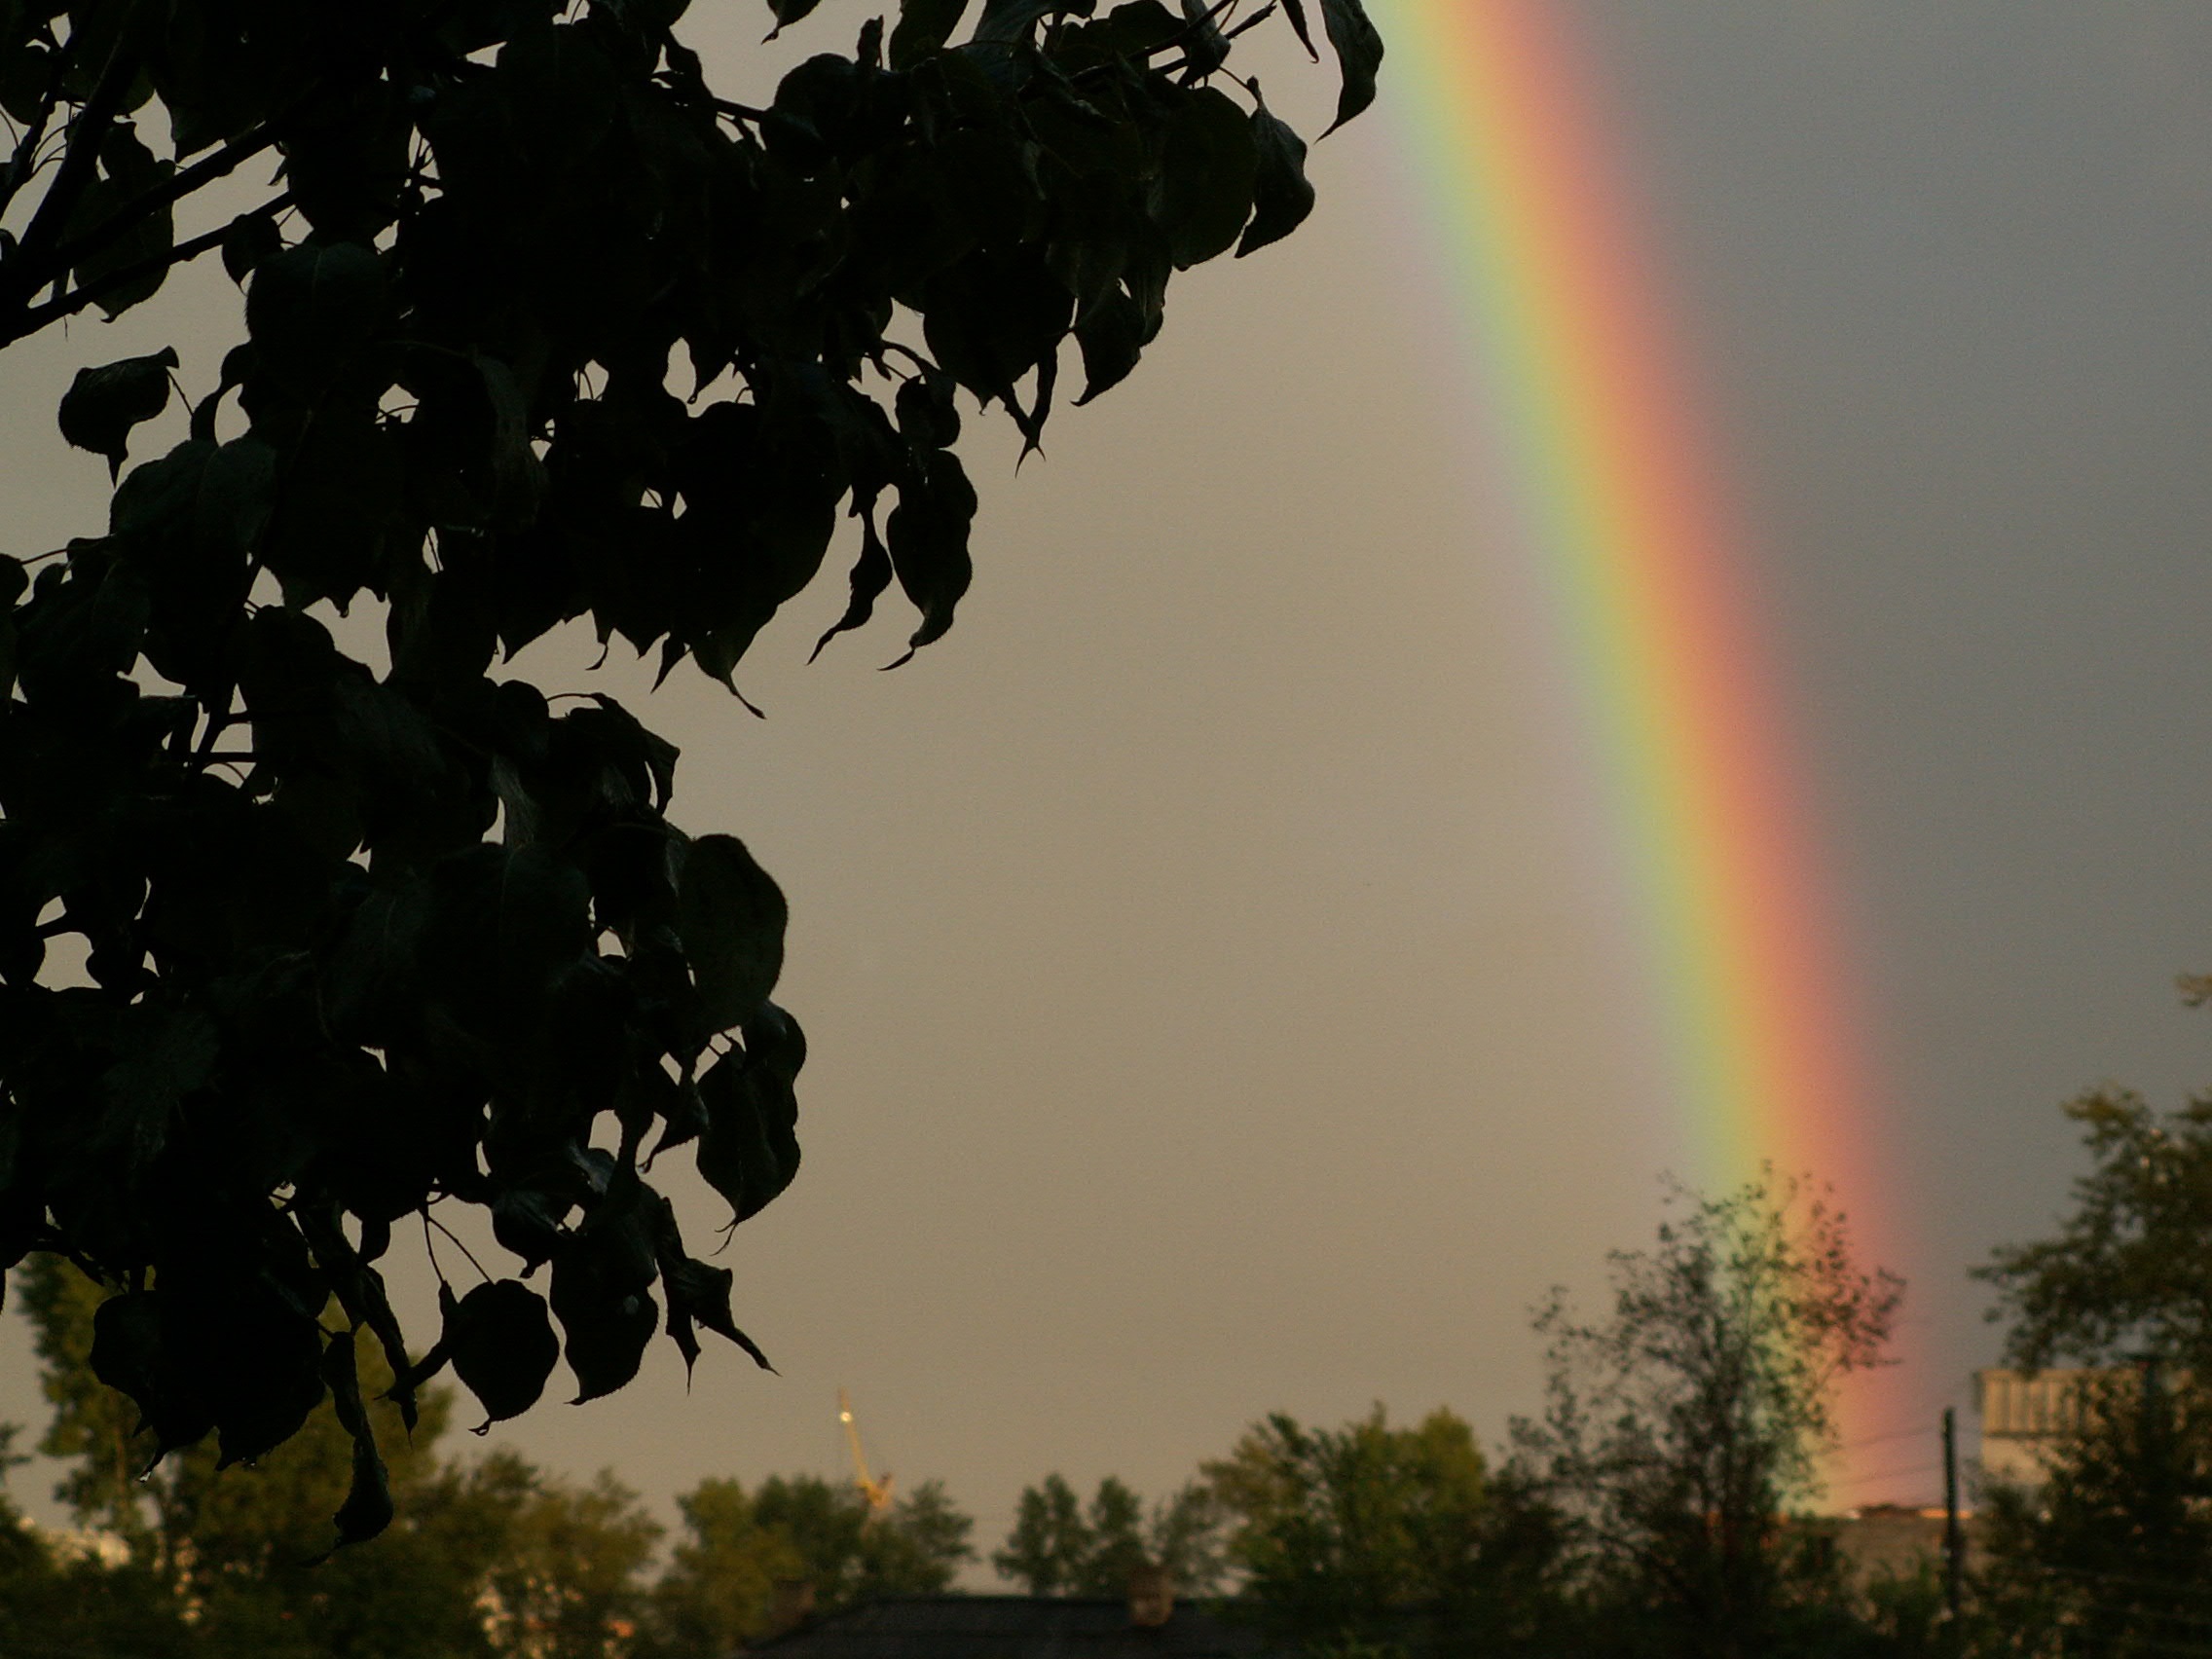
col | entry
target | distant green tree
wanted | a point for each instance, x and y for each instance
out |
(913, 1548)
(1057, 1549)
(1358, 1534)
(566, 1579)
(2112, 1548)
(1678, 1430)
(1051, 1543)
(2128, 1273)
(60, 1601)
(1185, 1534)
(719, 1588)
(2111, 1553)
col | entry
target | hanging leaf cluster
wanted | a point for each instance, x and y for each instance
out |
(538, 328)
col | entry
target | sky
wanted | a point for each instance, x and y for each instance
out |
(1216, 1002)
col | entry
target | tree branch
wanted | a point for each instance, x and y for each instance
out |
(25, 161)
(25, 272)
(32, 319)
(172, 190)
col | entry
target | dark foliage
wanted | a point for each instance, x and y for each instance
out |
(2111, 1553)
(2129, 1272)
(362, 939)
(2111, 1550)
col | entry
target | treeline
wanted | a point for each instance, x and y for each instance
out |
(1661, 1505)
(1658, 1507)
(490, 1557)
(1646, 1511)
(1367, 1534)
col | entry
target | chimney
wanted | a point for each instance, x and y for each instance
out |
(793, 1605)
(1151, 1596)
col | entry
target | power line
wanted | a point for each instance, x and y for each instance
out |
(1877, 1439)
(1889, 1474)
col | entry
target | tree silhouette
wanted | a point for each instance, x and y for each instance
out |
(538, 328)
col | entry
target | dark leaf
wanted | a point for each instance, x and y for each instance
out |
(166, 1055)
(527, 1223)
(563, 94)
(103, 404)
(683, 1115)
(367, 1509)
(732, 917)
(501, 1344)
(700, 1294)
(311, 311)
(789, 12)
(343, 480)
(129, 173)
(992, 318)
(1359, 55)
(871, 575)
(1281, 197)
(1206, 176)
(252, 240)
(927, 538)
(1006, 21)
(1111, 335)
(749, 1152)
(253, 1342)
(1203, 44)
(127, 1354)
(1140, 27)
(607, 1321)
(924, 25)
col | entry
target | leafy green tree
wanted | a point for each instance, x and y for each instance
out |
(1057, 1549)
(1359, 1535)
(69, 1603)
(1051, 1542)
(1678, 1431)
(2129, 1272)
(913, 1548)
(1184, 1536)
(538, 329)
(2112, 1548)
(719, 1588)
(565, 1582)
(63, 1604)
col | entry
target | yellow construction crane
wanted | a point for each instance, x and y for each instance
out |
(876, 1492)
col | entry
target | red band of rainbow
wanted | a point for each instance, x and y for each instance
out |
(1614, 498)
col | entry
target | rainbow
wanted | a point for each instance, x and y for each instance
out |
(1592, 430)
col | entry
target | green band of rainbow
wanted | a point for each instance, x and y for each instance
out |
(1596, 440)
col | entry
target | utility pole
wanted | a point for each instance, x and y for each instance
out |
(1954, 1536)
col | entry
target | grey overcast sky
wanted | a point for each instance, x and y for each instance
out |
(1211, 1010)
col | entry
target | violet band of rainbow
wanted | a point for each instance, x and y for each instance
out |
(1596, 438)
